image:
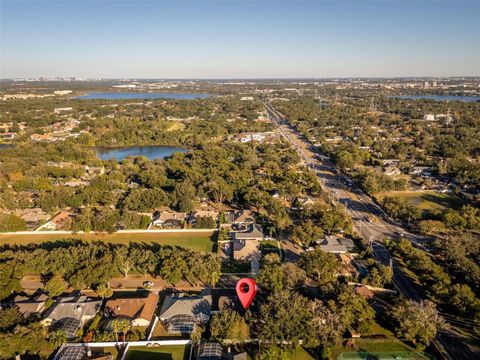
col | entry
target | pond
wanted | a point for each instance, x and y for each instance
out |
(141, 96)
(150, 152)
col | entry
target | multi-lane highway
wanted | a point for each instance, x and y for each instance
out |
(372, 224)
(369, 220)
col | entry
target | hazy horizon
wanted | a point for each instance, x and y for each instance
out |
(223, 40)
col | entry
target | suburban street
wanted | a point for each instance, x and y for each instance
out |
(373, 225)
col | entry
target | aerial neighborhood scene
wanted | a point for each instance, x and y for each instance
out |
(239, 180)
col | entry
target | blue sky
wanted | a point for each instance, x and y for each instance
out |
(239, 39)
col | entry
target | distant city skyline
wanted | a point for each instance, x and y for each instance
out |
(239, 40)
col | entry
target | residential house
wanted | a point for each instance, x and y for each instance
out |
(347, 269)
(302, 202)
(246, 244)
(240, 217)
(425, 171)
(168, 218)
(71, 313)
(33, 217)
(364, 291)
(95, 170)
(390, 162)
(41, 137)
(203, 213)
(392, 171)
(331, 244)
(182, 312)
(139, 311)
(30, 305)
(58, 221)
(254, 232)
(8, 136)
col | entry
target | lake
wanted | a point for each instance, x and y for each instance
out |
(150, 152)
(140, 95)
(440, 97)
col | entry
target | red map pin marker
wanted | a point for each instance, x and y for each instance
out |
(246, 291)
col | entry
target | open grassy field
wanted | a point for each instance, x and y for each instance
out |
(426, 200)
(201, 241)
(377, 340)
(158, 353)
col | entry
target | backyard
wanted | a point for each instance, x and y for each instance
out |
(198, 241)
(174, 352)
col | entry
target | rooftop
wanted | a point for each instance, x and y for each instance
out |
(198, 306)
(133, 308)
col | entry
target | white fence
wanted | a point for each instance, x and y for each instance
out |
(127, 345)
(62, 232)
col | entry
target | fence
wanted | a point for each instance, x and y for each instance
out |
(386, 355)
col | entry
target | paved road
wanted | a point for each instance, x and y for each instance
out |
(372, 224)
(370, 221)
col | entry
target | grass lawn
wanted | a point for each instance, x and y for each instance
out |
(270, 246)
(299, 353)
(376, 339)
(236, 266)
(158, 353)
(388, 347)
(201, 241)
(426, 200)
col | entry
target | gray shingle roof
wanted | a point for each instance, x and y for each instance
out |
(76, 307)
(198, 306)
(254, 232)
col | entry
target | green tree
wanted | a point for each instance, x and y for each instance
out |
(104, 291)
(57, 338)
(271, 276)
(11, 222)
(417, 322)
(55, 286)
(352, 310)
(9, 318)
(10, 276)
(284, 319)
(121, 326)
(320, 266)
(30, 338)
(229, 325)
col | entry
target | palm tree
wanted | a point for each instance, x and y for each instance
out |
(120, 325)
(57, 338)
